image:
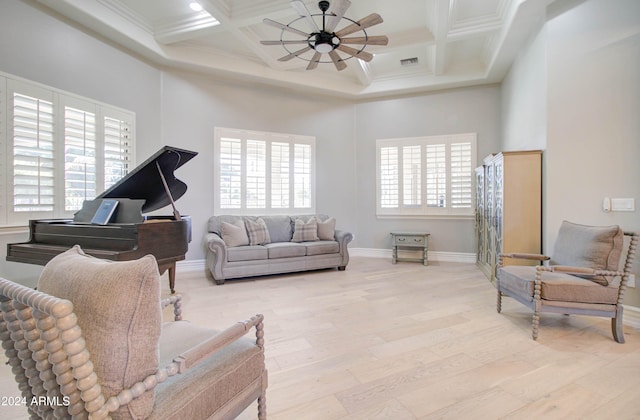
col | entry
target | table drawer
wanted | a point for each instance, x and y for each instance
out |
(409, 240)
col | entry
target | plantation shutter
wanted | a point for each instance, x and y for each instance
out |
(436, 175)
(302, 176)
(389, 177)
(280, 175)
(230, 173)
(411, 175)
(32, 166)
(260, 173)
(79, 157)
(118, 148)
(256, 174)
(461, 175)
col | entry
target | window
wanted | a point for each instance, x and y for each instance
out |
(426, 176)
(263, 173)
(57, 150)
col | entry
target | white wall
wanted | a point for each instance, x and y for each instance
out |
(456, 111)
(593, 126)
(524, 98)
(39, 47)
(591, 84)
(193, 105)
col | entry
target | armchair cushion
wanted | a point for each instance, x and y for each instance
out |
(211, 384)
(118, 309)
(596, 247)
(555, 286)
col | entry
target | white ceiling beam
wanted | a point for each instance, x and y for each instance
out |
(192, 27)
(442, 13)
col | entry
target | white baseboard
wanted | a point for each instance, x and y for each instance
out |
(631, 316)
(190, 265)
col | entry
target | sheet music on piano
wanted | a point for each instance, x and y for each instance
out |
(105, 211)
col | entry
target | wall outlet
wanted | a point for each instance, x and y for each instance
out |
(631, 281)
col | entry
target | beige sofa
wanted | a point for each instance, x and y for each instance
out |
(246, 246)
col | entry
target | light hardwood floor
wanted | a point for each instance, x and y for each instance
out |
(405, 341)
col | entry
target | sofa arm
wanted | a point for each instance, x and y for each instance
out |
(216, 255)
(343, 238)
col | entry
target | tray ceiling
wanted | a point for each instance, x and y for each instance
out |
(448, 43)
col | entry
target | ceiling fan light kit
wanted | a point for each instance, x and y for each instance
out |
(325, 39)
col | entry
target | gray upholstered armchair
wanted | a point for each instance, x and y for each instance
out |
(90, 343)
(582, 277)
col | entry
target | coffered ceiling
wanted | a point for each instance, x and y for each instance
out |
(448, 43)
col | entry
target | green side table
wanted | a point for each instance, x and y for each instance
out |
(410, 240)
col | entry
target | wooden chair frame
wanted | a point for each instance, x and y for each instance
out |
(48, 356)
(537, 304)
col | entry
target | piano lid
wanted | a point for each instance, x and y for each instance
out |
(144, 182)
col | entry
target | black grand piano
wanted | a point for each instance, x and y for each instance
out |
(128, 234)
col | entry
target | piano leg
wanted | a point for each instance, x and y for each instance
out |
(171, 267)
(172, 278)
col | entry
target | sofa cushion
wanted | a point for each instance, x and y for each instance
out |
(285, 250)
(118, 308)
(322, 247)
(326, 229)
(234, 234)
(304, 232)
(596, 247)
(247, 253)
(258, 232)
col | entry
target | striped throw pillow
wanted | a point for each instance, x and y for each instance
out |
(258, 232)
(305, 232)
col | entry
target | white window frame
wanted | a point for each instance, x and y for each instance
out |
(241, 206)
(11, 216)
(392, 202)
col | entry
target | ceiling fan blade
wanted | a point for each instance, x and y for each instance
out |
(363, 55)
(285, 27)
(314, 61)
(302, 41)
(371, 40)
(365, 22)
(302, 10)
(336, 13)
(337, 61)
(294, 54)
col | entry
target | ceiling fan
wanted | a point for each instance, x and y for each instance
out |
(324, 39)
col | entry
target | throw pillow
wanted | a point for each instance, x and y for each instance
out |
(305, 232)
(258, 232)
(327, 229)
(118, 308)
(596, 247)
(234, 234)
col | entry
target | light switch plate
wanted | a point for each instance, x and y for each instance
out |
(623, 204)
